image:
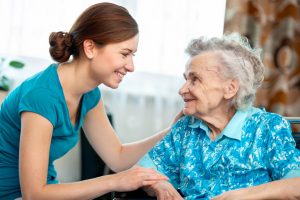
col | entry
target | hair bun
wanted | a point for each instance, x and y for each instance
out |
(60, 46)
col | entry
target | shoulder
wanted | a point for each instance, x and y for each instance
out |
(268, 125)
(48, 74)
(95, 93)
(182, 124)
(270, 120)
(41, 101)
(40, 95)
(260, 117)
(92, 98)
(180, 130)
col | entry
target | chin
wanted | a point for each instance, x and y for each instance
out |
(187, 111)
(112, 86)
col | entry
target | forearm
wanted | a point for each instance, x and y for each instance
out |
(88, 189)
(131, 153)
(282, 189)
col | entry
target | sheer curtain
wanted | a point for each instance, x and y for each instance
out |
(148, 99)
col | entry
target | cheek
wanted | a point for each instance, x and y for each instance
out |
(197, 92)
(110, 61)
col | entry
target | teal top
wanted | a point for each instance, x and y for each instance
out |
(255, 147)
(41, 94)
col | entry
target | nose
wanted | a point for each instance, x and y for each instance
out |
(129, 65)
(184, 89)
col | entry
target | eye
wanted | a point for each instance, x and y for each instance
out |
(194, 79)
(125, 54)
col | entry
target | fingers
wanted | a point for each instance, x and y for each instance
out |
(149, 174)
(152, 179)
(148, 183)
(163, 190)
(168, 195)
(173, 194)
(138, 177)
(157, 177)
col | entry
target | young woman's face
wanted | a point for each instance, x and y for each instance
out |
(203, 91)
(113, 61)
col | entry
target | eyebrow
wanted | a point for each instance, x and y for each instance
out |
(191, 74)
(130, 50)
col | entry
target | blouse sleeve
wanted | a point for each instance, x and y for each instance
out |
(283, 156)
(92, 98)
(40, 101)
(166, 154)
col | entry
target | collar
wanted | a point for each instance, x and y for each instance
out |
(235, 125)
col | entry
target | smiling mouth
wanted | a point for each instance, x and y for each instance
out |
(188, 100)
(120, 74)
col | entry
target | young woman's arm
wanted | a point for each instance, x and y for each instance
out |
(36, 134)
(104, 140)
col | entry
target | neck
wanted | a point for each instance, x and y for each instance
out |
(74, 78)
(218, 121)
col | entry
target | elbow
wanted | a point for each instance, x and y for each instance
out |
(120, 162)
(118, 167)
(114, 168)
(30, 194)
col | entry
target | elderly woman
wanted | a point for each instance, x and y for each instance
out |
(223, 148)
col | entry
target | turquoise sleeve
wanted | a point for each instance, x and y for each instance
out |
(40, 101)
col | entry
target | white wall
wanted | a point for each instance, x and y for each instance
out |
(166, 26)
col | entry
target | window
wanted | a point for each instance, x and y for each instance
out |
(166, 27)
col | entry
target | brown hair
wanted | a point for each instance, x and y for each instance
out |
(104, 23)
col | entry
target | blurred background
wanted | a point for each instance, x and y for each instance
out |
(147, 100)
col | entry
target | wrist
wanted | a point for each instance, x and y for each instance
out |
(245, 193)
(112, 183)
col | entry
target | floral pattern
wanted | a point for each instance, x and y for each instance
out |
(260, 150)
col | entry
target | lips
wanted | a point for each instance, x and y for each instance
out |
(121, 75)
(187, 100)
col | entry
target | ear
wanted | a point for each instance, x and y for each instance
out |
(231, 88)
(89, 48)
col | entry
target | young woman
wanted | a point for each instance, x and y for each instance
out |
(41, 118)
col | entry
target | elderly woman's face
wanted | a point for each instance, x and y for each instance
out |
(204, 89)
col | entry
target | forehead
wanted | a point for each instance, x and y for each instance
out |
(206, 62)
(130, 44)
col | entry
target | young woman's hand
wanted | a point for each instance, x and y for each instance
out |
(135, 178)
(162, 190)
(177, 117)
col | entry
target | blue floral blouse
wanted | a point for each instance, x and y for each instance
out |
(255, 147)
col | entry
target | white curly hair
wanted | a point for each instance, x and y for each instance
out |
(238, 61)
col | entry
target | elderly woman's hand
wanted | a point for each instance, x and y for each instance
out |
(231, 195)
(135, 178)
(163, 190)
